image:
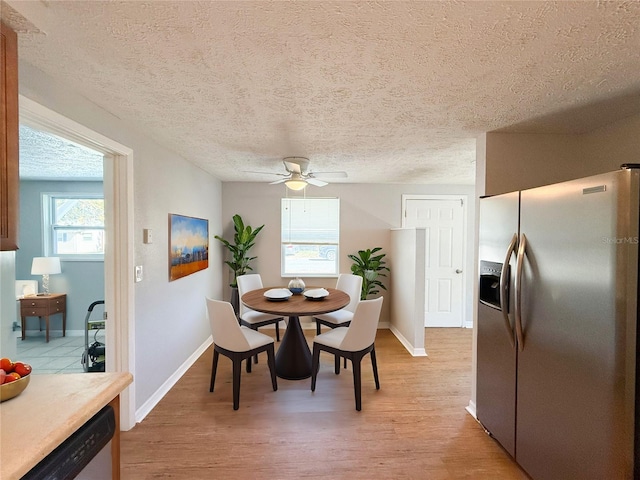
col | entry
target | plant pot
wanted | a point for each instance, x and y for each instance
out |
(235, 300)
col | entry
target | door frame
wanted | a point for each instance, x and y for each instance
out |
(118, 258)
(464, 199)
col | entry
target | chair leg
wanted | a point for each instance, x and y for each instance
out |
(337, 360)
(214, 368)
(374, 364)
(271, 361)
(317, 327)
(255, 358)
(346, 324)
(249, 365)
(357, 380)
(237, 362)
(315, 365)
(278, 330)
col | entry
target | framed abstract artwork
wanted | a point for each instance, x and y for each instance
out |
(188, 245)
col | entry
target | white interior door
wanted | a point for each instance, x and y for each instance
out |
(443, 220)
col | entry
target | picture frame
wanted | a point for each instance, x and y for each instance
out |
(188, 245)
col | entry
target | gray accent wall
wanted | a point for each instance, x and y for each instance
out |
(82, 281)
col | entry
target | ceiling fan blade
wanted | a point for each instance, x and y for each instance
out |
(266, 173)
(282, 180)
(316, 182)
(329, 174)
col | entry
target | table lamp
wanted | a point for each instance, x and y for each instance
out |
(45, 266)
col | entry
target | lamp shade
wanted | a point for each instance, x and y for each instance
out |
(45, 266)
(295, 184)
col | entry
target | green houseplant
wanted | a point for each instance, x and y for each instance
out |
(370, 267)
(243, 239)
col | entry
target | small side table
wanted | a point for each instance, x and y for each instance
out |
(44, 306)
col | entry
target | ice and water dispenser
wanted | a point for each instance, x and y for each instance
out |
(489, 293)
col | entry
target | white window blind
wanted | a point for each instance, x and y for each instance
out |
(310, 237)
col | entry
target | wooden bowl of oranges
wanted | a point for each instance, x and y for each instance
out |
(14, 378)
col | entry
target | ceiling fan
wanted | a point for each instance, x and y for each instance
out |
(298, 175)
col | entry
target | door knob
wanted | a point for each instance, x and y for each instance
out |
(458, 270)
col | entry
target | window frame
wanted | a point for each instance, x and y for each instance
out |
(49, 229)
(284, 242)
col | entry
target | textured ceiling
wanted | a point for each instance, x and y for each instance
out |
(44, 156)
(392, 92)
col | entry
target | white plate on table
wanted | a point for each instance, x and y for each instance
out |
(278, 294)
(316, 293)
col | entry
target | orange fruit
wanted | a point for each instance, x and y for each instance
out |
(6, 364)
(12, 377)
(22, 369)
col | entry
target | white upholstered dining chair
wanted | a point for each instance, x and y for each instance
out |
(353, 343)
(251, 318)
(352, 286)
(238, 343)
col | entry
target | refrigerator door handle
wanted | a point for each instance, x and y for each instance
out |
(504, 288)
(519, 263)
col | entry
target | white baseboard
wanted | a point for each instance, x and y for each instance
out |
(416, 352)
(144, 410)
(58, 333)
(471, 408)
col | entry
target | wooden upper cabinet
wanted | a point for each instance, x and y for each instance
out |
(8, 139)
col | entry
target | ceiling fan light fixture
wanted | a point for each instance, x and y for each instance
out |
(295, 184)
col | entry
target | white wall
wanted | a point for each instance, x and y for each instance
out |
(408, 259)
(613, 145)
(517, 161)
(367, 214)
(170, 322)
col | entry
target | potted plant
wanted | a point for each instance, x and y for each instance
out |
(243, 239)
(370, 268)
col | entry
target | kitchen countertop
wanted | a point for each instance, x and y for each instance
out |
(51, 408)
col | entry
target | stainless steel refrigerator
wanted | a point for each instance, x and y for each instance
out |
(557, 326)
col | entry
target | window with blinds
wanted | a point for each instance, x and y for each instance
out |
(310, 237)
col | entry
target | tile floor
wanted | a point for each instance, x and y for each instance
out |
(60, 355)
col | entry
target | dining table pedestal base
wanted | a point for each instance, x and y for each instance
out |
(293, 359)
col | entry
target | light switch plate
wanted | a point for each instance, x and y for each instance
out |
(138, 273)
(147, 235)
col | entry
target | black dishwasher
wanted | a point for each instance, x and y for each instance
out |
(75, 453)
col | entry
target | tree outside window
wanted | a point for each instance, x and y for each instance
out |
(76, 227)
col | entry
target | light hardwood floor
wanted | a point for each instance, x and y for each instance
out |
(414, 427)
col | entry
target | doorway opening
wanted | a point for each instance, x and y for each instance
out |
(62, 216)
(118, 256)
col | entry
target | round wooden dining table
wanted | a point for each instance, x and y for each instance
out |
(293, 359)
